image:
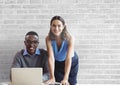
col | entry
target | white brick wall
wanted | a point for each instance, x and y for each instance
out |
(94, 23)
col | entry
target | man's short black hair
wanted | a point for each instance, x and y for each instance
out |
(32, 33)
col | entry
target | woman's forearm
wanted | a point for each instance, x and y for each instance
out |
(67, 68)
(51, 67)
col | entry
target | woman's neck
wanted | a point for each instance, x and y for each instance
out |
(59, 42)
(58, 38)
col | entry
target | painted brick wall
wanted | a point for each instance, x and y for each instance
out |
(94, 23)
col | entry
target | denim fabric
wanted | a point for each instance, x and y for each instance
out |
(59, 70)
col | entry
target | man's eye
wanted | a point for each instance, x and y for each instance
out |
(35, 42)
(32, 42)
(28, 41)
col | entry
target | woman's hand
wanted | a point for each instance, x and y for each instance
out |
(50, 81)
(65, 82)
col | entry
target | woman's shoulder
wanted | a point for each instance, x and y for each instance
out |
(71, 39)
(47, 38)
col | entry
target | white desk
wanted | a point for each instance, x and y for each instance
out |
(4, 83)
(9, 83)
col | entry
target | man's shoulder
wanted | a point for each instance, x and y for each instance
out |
(19, 53)
(42, 50)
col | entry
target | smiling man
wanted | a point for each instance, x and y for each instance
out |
(32, 56)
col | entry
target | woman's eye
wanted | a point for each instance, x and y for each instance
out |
(59, 25)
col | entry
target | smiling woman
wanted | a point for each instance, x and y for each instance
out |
(63, 61)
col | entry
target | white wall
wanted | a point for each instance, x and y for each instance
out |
(94, 23)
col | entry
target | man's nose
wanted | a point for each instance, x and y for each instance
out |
(31, 44)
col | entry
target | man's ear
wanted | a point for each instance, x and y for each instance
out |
(25, 42)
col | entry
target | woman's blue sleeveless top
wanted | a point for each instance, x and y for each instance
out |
(60, 55)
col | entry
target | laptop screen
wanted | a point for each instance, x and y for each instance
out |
(26, 76)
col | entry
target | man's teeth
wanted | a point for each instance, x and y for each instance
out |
(31, 48)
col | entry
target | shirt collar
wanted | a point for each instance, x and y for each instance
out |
(37, 52)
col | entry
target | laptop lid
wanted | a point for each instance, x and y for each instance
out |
(26, 76)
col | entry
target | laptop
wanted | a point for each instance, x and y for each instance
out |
(26, 76)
